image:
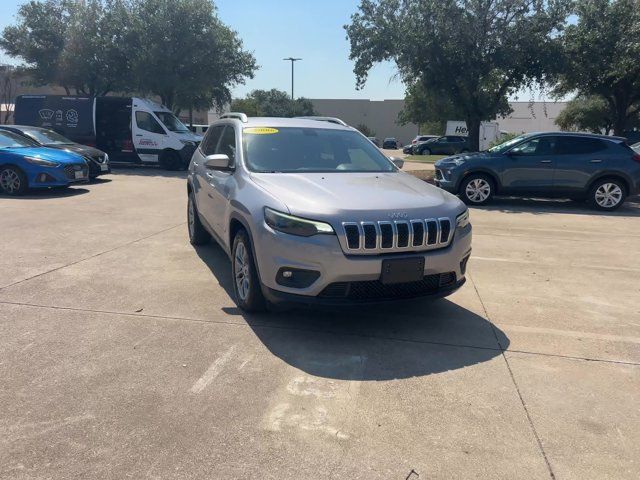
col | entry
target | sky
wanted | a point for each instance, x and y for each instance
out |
(311, 30)
(275, 29)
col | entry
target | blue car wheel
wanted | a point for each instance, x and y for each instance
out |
(13, 181)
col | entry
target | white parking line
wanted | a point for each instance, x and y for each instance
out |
(213, 371)
(529, 262)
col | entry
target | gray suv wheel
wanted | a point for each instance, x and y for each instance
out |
(476, 189)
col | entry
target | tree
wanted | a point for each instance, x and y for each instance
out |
(272, 103)
(592, 114)
(7, 90)
(77, 45)
(183, 53)
(366, 131)
(428, 110)
(474, 53)
(601, 53)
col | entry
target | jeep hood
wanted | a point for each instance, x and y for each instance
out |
(358, 196)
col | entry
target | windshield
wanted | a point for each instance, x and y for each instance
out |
(503, 147)
(171, 122)
(47, 137)
(289, 150)
(13, 140)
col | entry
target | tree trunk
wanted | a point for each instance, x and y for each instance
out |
(191, 116)
(473, 128)
(620, 122)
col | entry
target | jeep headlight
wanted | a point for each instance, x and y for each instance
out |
(462, 220)
(41, 162)
(302, 227)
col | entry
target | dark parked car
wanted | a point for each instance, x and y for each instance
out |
(375, 141)
(97, 160)
(390, 143)
(447, 145)
(601, 169)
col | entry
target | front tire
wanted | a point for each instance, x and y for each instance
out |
(607, 194)
(425, 151)
(246, 283)
(477, 189)
(198, 235)
(13, 181)
(170, 160)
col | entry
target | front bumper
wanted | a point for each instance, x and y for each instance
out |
(323, 254)
(60, 176)
(446, 180)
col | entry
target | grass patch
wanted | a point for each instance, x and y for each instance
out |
(423, 158)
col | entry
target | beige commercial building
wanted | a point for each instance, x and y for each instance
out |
(382, 116)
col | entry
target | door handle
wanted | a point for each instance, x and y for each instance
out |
(138, 134)
(545, 161)
(210, 175)
(595, 161)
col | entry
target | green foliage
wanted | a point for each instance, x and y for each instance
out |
(178, 50)
(472, 53)
(591, 114)
(505, 137)
(366, 131)
(601, 57)
(272, 103)
(182, 52)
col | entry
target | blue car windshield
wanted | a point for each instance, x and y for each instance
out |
(11, 140)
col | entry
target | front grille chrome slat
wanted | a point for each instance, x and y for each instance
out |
(386, 236)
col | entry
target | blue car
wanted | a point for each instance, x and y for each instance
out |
(24, 165)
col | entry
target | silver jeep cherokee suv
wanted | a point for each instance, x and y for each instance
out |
(313, 212)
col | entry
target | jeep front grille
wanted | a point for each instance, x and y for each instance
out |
(396, 236)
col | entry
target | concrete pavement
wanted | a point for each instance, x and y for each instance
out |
(122, 353)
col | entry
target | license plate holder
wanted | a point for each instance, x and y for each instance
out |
(402, 270)
(79, 174)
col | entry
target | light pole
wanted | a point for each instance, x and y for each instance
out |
(292, 60)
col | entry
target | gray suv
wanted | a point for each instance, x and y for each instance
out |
(601, 169)
(313, 212)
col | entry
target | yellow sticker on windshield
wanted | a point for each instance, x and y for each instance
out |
(261, 130)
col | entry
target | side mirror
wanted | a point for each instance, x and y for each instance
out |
(398, 162)
(219, 161)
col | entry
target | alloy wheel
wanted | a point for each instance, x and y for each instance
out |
(241, 270)
(9, 181)
(608, 195)
(478, 190)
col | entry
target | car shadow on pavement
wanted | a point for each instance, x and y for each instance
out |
(47, 193)
(146, 171)
(374, 342)
(537, 206)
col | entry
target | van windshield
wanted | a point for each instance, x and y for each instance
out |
(293, 150)
(171, 122)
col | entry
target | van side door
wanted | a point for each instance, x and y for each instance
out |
(149, 136)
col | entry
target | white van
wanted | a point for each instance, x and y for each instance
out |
(129, 129)
(489, 131)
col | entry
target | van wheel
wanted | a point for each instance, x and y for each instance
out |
(13, 181)
(170, 160)
(607, 194)
(246, 284)
(477, 189)
(197, 233)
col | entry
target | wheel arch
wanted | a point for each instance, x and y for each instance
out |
(237, 223)
(613, 176)
(490, 174)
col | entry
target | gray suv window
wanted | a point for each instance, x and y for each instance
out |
(536, 146)
(227, 143)
(210, 141)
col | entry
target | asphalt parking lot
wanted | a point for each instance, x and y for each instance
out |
(123, 355)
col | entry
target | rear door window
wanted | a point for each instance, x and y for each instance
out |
(579, 146)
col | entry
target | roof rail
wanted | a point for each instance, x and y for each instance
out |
(240, 116)
(325, 119)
